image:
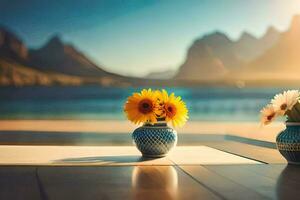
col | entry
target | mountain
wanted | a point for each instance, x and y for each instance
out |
(208, 58)
(63, 58)
(270, 38)
(282, 57)
(215, 56)
(11, 47)
(54, 64)
(248, 47)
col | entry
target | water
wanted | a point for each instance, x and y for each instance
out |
(93, 102)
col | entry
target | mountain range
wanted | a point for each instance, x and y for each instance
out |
(271, 59)
(54, 63)
(283, 56)
(215, 56)
(212, 59)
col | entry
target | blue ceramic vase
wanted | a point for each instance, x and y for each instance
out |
(288, 143)
(154, 140)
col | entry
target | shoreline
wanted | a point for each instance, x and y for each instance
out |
(251, 130)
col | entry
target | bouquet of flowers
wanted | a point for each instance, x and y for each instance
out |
(283, 104)
(150, 106)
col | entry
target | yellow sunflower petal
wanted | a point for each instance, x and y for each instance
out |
(141, 107)
(175, 109)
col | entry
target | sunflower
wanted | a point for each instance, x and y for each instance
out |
(142, 107)
(172, 108)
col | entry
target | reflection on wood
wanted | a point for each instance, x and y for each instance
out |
(151, 182)
(19, 183)
(143, 182)
(221, 184)
(165, 180)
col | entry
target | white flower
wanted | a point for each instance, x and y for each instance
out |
(268, 114)
(285, 101)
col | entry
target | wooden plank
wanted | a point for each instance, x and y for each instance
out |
(287, 178)
(19, 183)
(220, 184)
(263, 154)
(270, 170)
(139, 182)
(264, 185)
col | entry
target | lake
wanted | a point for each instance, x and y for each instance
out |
(94, 102)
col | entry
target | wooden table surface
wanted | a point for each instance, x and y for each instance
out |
(214, 170)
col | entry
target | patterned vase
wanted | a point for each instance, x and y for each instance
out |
(288, 143)
(154, 140)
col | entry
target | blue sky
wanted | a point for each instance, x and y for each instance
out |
(137, 36)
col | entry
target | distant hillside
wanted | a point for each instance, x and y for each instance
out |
(213, 59)
(280, 63)
(214, 56)
(59, 57)
(248, 47)
(209, 55)
(54, 64)
(11, 47)
(282, 57)
(12, 73)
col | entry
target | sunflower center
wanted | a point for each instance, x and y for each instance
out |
(283, 106)
(171, 110)
(145, 106)
(270, 117)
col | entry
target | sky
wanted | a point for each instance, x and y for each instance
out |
(135, 37)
